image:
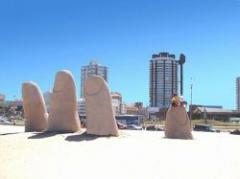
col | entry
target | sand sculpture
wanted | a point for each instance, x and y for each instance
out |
(35, 112)
(178, 124)
(63, 115)
(100, 118)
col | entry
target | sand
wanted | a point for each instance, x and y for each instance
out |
(133, 155)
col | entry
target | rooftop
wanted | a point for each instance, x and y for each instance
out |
(213, 110)
(163, 54)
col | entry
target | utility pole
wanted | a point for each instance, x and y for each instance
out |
(205, 115)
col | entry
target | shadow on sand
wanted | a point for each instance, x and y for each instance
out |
(10, 133)
(44, 135)
(83, 137)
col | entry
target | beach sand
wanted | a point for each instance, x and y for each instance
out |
(133, 155)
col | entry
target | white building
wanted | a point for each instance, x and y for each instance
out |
(116, 103)
(94, 68)
(82, 107)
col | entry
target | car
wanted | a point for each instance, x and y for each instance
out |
(134, 127)
(154, 128)
(205, 128)
(121, 125)
(235, 132)
(4, 120)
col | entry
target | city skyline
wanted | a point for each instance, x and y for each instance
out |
(39, 38)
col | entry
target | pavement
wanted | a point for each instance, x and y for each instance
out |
(132, 155)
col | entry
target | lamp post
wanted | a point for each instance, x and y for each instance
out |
(181, 61)
(190, 107)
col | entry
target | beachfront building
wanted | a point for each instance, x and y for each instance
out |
(94, 68)
(163, 79)
(238, 93)
(82, 107)
(116, 103)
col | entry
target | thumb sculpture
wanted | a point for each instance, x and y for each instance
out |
(100, 118)
(178, 124)
(63, 115)
(35, 112)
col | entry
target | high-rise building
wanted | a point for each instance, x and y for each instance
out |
(94, 68)
(164, 78)
(238, 93)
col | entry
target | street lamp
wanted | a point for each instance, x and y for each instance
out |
(190, 107)
(181, 61)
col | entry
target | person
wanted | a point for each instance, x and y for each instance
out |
(175, 101)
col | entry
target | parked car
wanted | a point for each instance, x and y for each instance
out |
(134, 127)
(235, 132)
(205, 128)
(121, 125)
(154, 128)
(4, 120)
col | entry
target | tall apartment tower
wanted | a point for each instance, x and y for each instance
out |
(164, 78)
(94, 68)
(238, 93)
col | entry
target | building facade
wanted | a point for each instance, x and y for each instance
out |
(116, 103)
(94, 68)
(130, 109)
(82, 107)
(47, 98)
(238, 93)
(2, 98)
(163, 79)
(214, 112)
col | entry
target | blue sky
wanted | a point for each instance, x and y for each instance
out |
(38, 38)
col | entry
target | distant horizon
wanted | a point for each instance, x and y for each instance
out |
(39, 38)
